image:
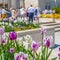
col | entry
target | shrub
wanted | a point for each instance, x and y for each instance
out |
(57, 9)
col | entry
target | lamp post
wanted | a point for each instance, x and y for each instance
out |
(56, 3)
(53, 15)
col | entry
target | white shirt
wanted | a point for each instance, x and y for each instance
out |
(22, 11)
(13, 13)
(4, 11)
(31, 9)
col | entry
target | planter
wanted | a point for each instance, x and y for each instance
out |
(36, 34)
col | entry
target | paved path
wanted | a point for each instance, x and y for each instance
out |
(48, 20)
(57, 45)
(57, 37)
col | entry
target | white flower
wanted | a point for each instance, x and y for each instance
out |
(10, 24)
(6, 23)
(20, 40)
(28, 38)
(26, 45)
(15, 21)
(3, 23)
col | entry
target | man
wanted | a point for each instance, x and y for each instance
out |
(31, 13)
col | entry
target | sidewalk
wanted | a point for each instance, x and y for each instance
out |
(57, 37)
(48, 20)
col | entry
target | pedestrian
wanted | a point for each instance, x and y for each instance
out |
(0, 13)
(22, 12)
(3, 13)
(31, 11)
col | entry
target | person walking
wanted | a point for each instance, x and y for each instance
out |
(3, 13)
(0, 13)
(31, 11)
(22, 12)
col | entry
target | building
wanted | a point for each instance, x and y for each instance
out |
(26, 3)
(12, 3)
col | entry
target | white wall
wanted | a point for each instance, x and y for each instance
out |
(29, 2)
(13, 3)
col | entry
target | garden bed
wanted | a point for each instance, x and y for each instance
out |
(36, 34)
(18, 26)
(34, 30)
(50, 16)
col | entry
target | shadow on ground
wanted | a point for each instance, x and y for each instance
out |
(55, 46)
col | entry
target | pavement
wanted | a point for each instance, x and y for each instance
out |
(41, 20)
(57, 37)
(56, 46)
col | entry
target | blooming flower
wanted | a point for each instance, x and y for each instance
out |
(59, 56)
(43, 31)
(1, 31)
(47, 42)
(3, 41)
(20, 41)
(35, 45)
(59, 48)
(20, 56)
(11, 50)
(13, 35)
(28, 38)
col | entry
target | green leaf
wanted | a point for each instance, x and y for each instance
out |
(54, 58)
(2, 55)
(49, 54)
(43, 53)
(38, 56)
(30, 53)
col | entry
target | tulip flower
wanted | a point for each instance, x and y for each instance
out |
(20, 56)
(47, 42)
(35, 45)
(43, 31)
(3, 41)
(13, 35)
(59, 56)
(59, 48)
(1, 31)
(11, 50)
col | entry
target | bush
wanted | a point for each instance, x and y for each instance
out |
(57, 9)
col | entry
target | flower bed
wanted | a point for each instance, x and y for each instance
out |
(18, 26)
(24, 48)
(36, 34)
(50, 16)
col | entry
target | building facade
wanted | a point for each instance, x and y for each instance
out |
(12, 3)
(26, 3)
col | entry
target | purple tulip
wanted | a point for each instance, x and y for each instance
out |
(59, 48)
(1, 31)
(13, 35)
(59, 56)
(11, 50)
(43, 31)
(20, 56)
(3, 41)
(47, 42)
(35, 45)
